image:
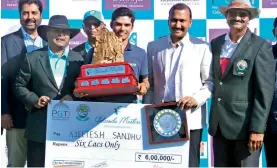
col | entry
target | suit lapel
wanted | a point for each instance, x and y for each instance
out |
(217, 51)
(45, 63)
(243, 45)
(19, 41)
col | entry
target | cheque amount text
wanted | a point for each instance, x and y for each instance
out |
(158, 158)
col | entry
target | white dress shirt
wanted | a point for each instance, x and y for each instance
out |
(174, 53)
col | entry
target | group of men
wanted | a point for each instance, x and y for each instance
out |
(237, 70)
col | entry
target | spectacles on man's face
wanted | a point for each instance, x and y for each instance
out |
(240, 13)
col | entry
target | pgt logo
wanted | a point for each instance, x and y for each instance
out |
(133, 38)
(60, 112)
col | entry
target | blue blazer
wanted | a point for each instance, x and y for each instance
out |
(13, 51)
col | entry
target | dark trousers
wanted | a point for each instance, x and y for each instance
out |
(233, 153)
(35, 154)
(270, 144)
(194, 147)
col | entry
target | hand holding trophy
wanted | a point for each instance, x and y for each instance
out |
(107, 74)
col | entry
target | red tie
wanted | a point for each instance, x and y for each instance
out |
(223, 63)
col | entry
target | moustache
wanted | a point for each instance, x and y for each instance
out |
(30, 20)
(176, 29)
(233, 21)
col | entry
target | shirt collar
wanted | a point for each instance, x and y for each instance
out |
(183, 41)
(26, 35)
(227, 38)
(128, 47)
(87, 47)
(64, 55)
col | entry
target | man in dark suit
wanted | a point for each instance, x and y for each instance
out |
(13, 48)
(270, 139)
(46, 74)
(244, 84)
(92, 23)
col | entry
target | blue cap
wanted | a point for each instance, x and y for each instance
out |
(96, 14)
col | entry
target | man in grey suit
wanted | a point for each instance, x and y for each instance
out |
(244, 76)
(46, 74)
(13, 49)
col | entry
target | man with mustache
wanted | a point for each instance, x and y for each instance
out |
(92, 23)
(244, 80)
(122, 24)
(270, 139)
(46, 74)
(13, 48)
(180, 71)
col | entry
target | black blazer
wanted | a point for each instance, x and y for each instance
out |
(81, 49)
(36, 79)
(241, 101)
(13, 51)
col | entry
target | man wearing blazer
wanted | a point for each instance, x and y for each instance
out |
(244, 76)
(13, 48)
(179, 71)
(46, 74)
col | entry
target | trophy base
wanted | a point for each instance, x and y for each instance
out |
(107, 91)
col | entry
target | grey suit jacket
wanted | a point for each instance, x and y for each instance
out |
(241, 102)
(36, 79)
(13, 51)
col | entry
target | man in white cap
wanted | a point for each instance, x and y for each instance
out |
(244, 73)
(92, 23)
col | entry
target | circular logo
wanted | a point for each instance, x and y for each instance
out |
(82, 111)
(242, 65)
(60, 111)
(167, 122)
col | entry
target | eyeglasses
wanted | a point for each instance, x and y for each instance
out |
(234, 13)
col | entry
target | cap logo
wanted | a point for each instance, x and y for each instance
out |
(92, 12)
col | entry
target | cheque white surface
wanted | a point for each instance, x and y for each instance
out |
(86, 134)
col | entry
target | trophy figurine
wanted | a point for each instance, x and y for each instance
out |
(108, 48)
(107, 74)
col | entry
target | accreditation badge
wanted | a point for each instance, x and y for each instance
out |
(241, 67)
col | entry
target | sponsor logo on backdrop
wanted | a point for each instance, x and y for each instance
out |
(77, 40)
(60, 112)
(269, 3)
(133, 38)
(212, 7)
(213, 33)
(132, 4)
(13, 4)
(82, 112)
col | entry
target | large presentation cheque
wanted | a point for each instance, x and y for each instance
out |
(114, 135)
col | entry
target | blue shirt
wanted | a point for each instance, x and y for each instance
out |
(87, 47)
(30, 43)
(58, 64)
(137, 58)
